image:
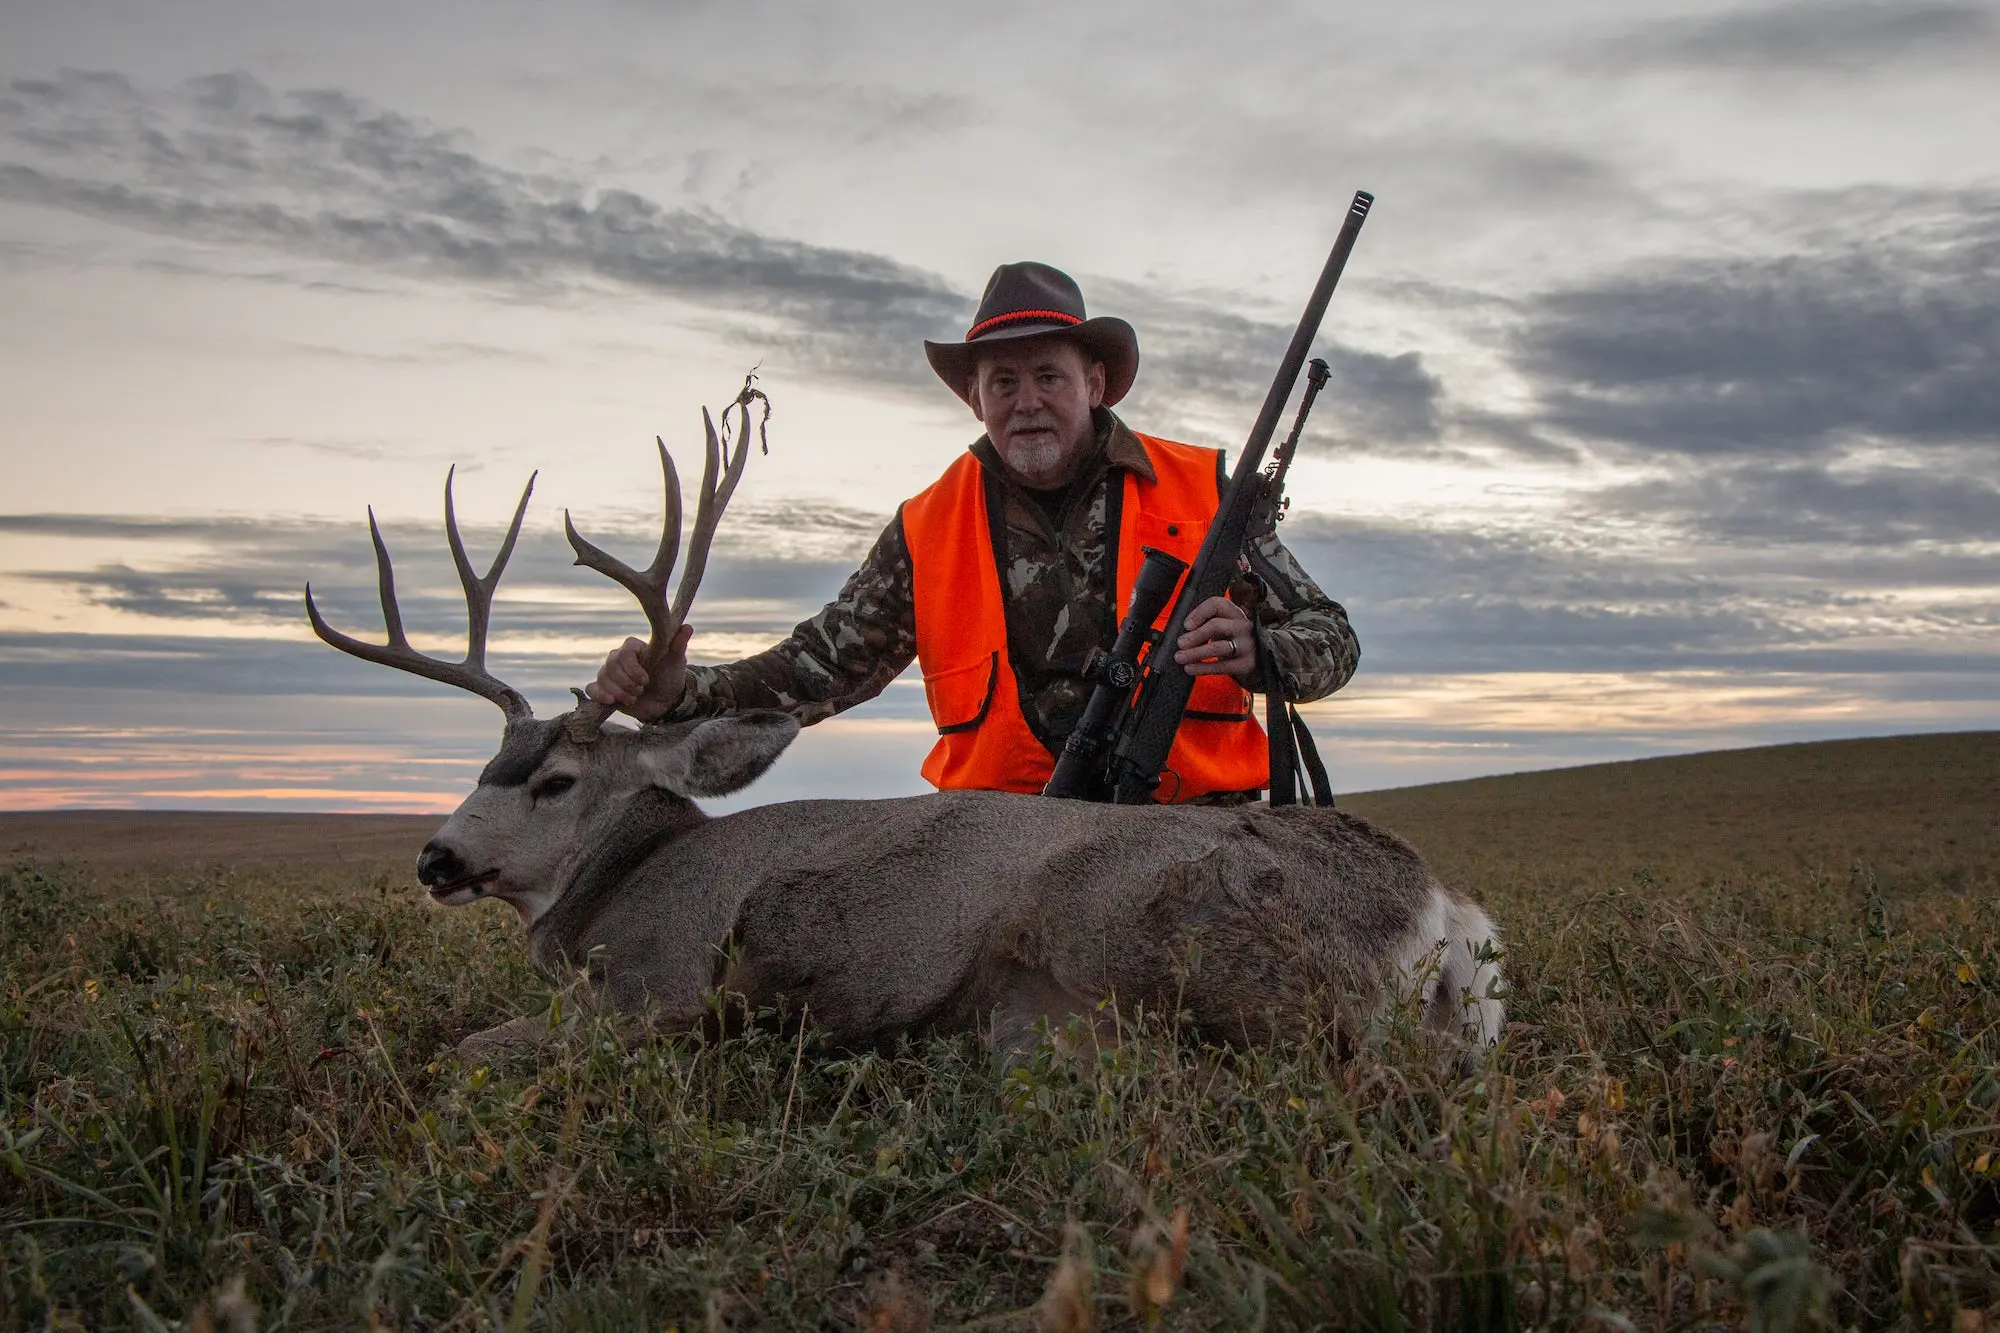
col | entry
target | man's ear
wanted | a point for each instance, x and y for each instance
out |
(720, 755)
(1093, 382)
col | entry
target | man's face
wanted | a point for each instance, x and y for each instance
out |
(1035, 396)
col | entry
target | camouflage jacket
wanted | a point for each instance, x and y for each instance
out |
(1061, 606)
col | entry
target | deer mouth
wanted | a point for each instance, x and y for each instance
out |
(464, 884)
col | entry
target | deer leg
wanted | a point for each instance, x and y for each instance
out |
(509, 1038)
(1463, 1005)
(1074, 1024)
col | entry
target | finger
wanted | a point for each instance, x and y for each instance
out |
(1215, 631)
(1237, 649)
(678, 649)
(1243, 667)
(1205, 612)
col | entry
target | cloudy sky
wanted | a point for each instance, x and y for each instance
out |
(1666, 412)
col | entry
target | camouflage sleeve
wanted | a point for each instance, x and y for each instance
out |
(1310, 639)
(845, 655)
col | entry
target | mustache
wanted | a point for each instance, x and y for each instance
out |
(1032, 421)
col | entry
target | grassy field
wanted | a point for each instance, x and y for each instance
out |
(1751, 1080)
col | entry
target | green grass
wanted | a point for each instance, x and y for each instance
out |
(1751, 1080)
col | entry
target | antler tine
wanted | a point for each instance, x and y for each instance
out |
(715, 493)
(469, 674)
(649, 587)
(478, 591)
(385, 585)
(670, 527)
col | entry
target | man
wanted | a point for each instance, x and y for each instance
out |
(1001, 577)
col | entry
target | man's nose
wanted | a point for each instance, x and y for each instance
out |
(438, 864)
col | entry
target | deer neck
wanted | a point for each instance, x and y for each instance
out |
(648, 819)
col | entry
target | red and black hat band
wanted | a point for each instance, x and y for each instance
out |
(1016, 316)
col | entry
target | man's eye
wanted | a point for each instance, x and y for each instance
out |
(554, 786)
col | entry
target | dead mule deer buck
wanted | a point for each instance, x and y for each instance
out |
(937, 913)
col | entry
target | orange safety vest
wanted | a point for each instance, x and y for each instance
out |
(983, 737)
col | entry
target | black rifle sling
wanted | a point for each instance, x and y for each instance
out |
(1322, 786)
(1294, 754)
(1277, 727)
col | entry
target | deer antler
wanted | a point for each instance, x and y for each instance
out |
(721, 470)
(470, 674)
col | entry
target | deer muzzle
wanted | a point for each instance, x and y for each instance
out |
(442, 871)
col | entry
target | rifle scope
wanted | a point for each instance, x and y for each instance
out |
(1079, 768)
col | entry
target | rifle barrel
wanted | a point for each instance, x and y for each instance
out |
(1157, 716)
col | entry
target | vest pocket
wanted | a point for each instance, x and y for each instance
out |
(1218, 699)
(960, 698)
(1178, 536)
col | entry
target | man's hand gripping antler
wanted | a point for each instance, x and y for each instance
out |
(647, 678)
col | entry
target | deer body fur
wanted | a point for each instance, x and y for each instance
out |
(967, 910)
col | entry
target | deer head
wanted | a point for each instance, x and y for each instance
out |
(562, 789)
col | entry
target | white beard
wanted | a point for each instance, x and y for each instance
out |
(1033, 459)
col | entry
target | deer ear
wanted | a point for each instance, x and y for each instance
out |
(721, 755)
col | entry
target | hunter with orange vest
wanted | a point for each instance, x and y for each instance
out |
(1001, 577)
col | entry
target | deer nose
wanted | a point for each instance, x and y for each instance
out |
(437, 864)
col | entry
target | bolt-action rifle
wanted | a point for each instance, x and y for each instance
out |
(1119, 747)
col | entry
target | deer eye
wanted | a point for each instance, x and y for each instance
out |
(553, 786)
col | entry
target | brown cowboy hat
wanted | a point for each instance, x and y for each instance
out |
(1032, 300)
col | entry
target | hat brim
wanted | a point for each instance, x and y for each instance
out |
(1105, 339)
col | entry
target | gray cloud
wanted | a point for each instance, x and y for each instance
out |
(322, 176)
(357, 449)
(1810, 504)
(1712, 584)
(775, 566)
(1202, 364)
(192, 664)
(1594, 595)
(1846, 36)
(1887, 337)
(427, 354)
(1784, 397)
